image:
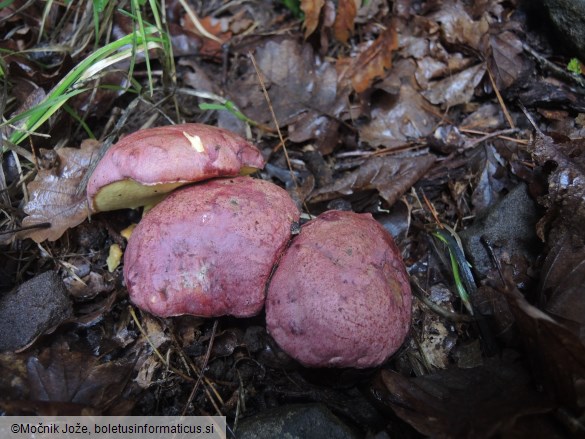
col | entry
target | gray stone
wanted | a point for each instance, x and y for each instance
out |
(568, 16)
(298, 421)
(31, 309)
(509, 225)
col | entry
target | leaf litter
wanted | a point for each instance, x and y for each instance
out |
(54, 198)
(403, 109)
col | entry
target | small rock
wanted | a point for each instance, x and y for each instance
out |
(298, 421)
(568, 16)
(26, 312)
(510, 227)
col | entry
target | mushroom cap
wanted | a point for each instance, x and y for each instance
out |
(209, 249)
(147, 164)
(340, 296)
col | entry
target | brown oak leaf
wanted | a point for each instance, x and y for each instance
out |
(390, 176)
(54, 195)
(344, 20)
(372, 63)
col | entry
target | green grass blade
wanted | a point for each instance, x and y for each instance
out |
(38, 115)
(455, 262)
(137, 13)
(65, 89)
(79, 120)
(228, 106)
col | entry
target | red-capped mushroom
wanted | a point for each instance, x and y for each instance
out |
(144, 166)
(340, 295)
(209, 249)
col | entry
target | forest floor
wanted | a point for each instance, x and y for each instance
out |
(447, 119)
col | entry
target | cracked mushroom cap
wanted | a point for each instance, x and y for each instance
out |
(144, 166)
(340, 296)
(209, 249)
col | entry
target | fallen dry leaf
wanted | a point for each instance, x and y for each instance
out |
(478, 402)
(455, 89)
(313, 125)
(507, 61)
(458, 27)
(566, 189)
(548, 92)
(60, 374)
(563, 281)
(399, 118)
(488, 117)
(557, 355)
(563, 274)
(53, 194)
(312, 10)
(391, 176)
(370, 9)
(344, 19)
(218, 27)
(296, 79)
(435, 338)
(89, 285)
(488, 188)
(371, 63)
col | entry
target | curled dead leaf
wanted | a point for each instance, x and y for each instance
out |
(391, 176)
(398, 118)
(372, 63)
(218, 27)
(344, 19)
(455, 89)
(53, 194)
(458, 27)
(480, 402)
(312, 10)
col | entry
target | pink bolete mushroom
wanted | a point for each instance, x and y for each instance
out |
(340, 296)
(208, 249)
(144, 166)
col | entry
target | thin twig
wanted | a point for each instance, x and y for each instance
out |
(155, 350)
(421, 295)
(433, 210)
(281, 138)
(488, 136)
(202, 369)
(501, 100)
(488, 245)
(20, 229)
(530, 119)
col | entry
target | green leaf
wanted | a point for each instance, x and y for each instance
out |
(574, 66)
